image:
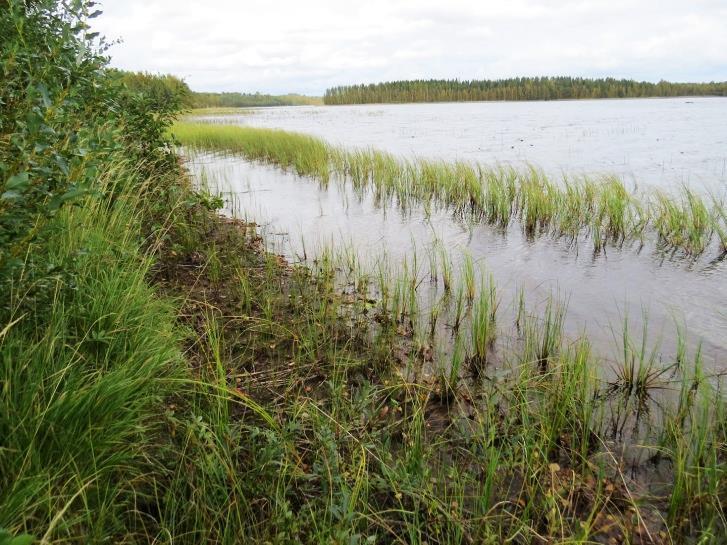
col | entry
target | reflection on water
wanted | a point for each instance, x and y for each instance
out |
(661, 142)
(298, 216)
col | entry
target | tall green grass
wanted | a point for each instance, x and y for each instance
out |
(287, 417)
(603, 210)
(88, 359)
(172, 382)
(306, 155)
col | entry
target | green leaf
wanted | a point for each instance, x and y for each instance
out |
(17, 182)
(43, 90)
(6, 538)
(24, 539)
(62, 164)
(73, 193)
(10, 196)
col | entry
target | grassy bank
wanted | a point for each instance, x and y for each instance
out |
(189, 387)
(283, 412)
(603, 209)
(164, 379)
(89, 357)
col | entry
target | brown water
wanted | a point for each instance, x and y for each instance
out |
(298, 218)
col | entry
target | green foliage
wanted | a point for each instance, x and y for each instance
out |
(245, 100)
(6, 538)
(539, 88)
(603, 209)
(163, 92)
(62, 117)
(147, 105)
(50, 87)
(86, 348)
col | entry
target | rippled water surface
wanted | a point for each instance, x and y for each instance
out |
(601, 290)
(659, 142)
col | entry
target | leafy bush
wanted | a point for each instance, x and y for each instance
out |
(62, 116)
(87, 348)
(51, 99)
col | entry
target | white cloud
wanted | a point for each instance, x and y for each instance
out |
(293, 46)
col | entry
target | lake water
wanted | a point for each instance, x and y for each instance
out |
(661, 142)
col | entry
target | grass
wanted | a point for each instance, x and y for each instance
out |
(82, 380)
(484, 314)
(246, 110)
(601, 209)
(521, 447)
(179, 384)
(306, 155)
(543, 335)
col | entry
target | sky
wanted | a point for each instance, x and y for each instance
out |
(307, 46)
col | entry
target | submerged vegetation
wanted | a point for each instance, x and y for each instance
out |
(539, 88)
(601, 209)
(164, 379)
(438, 420)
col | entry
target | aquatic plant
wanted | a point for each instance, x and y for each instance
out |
(164, 378)
(543, 335)
(484, 320)
(602, 209)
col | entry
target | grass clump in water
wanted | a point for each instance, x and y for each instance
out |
(164, 379)
(484, 321)
(603, 210)
(306, 155)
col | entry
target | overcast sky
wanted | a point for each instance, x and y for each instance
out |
(305, 46)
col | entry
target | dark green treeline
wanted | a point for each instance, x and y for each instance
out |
(540, 88)
(161, 88)
(245, 100)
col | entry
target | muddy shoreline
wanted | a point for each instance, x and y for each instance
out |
(261, 341)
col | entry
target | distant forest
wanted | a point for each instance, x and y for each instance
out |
(157, 89)
(239, 100)
(160, 88)
(541, 88)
